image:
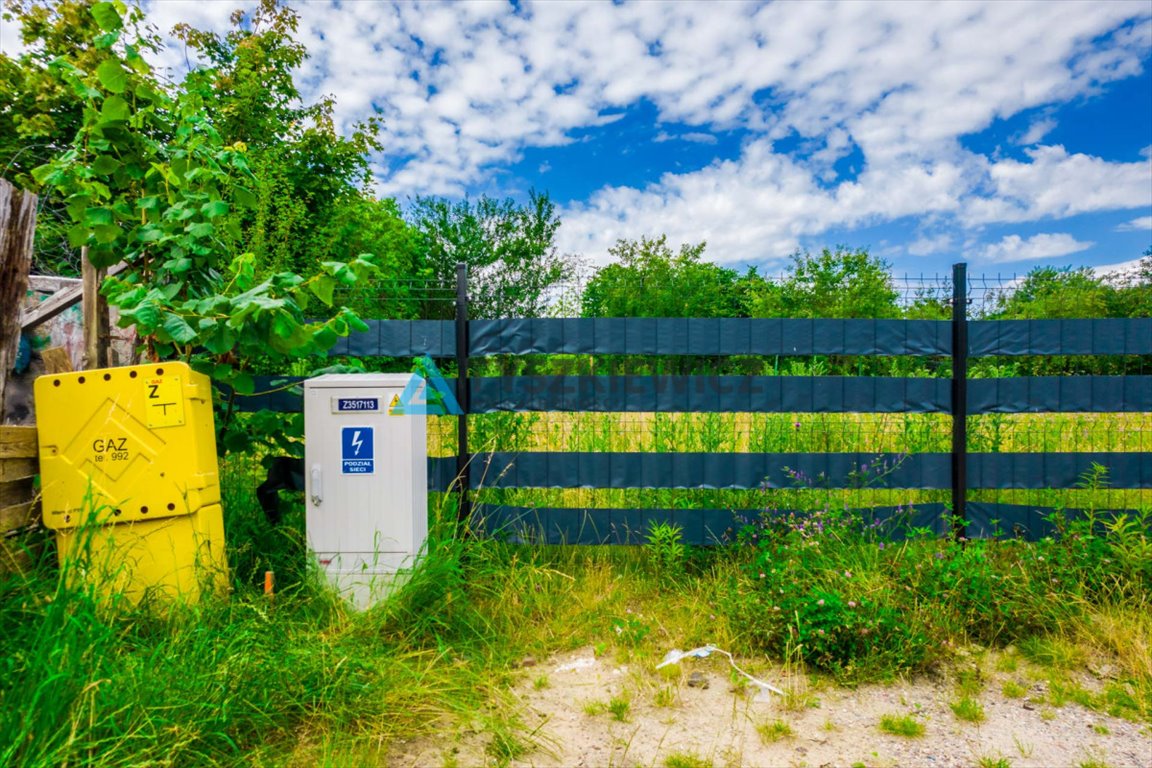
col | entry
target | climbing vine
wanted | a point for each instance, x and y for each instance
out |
(148, 181)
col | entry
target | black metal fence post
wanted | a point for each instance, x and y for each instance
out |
(959, 400)
(463, 457)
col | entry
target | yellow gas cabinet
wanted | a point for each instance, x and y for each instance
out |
(130, 480)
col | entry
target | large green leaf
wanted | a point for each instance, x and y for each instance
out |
(180, 266)
(244, 383)
(221, 340)
(244, 197)
(201, 229)
(114, 110)
(97, 215)
(78, 235)
(147, 317)
(47, 175)
(326, 338)
(150, 233)
(323, 287)
(112, 76)
(107, 233)
(284, 325)
(214, 209)
(178, 329)
(107, 17)
(105, 164)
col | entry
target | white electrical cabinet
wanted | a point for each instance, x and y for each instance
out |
(366, 487)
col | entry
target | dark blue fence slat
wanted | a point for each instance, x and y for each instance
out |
(1057, 470)
(752, 336)
(1061, 394)
(708, 470)
(710, 394)
(283, 394)
(755, 470)
(441, 472)
(1024, 521)
(400, 338)
(1112, 336)
(585, 525)
(582, 525)
(706, 336)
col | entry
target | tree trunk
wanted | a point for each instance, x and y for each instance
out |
(17, 224)
(94, 308)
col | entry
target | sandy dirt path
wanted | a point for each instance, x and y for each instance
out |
(714, 722)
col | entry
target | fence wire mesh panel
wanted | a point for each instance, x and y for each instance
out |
(588, 429)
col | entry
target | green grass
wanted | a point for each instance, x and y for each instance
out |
(1093, 763)
(686, 760)
(969, 710)
(1013, 690)
(901, 725)
(665, 697)
(619, 707)
(774, 731)
(994, 762)
(88, 679)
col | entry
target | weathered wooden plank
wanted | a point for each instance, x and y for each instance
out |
(69, 295)
(51, 306)
(17, 469)
(94, 308)
(17, 224)
(16, 491)
(18, 442)
(56, 360)
(51, 283)
(17, 554)
(18, 516)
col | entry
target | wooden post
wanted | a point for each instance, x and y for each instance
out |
(95, 312)
(17, 225)
(19, 508)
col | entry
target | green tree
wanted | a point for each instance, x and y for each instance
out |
(308, 181)
(842, 283)
(1133, 289)
(509, 249)
(40, 113)
(649, 279)
(148, 180)
(1051, 292)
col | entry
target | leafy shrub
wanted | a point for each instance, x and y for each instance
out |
(665, 549)
(804, 596)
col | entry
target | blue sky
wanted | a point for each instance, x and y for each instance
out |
(1006, 134)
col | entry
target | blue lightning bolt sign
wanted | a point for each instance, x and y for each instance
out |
(357, 451)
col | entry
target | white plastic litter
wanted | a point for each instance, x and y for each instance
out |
(675, 655)
(571, 666)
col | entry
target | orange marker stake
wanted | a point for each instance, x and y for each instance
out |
(269, 583)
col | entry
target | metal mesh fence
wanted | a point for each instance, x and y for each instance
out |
(917, 296)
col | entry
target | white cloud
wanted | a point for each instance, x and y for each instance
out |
(1056, 184)
(1037, 131)
(10, 42)
(695, 137)
(198, 14)
(1043, 246)
(1123, 268)
(465, 87)
(1141, 224)
(923, 246)
(901, 80)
